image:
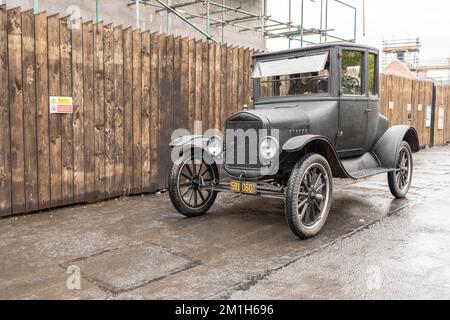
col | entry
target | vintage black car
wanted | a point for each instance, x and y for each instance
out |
(316, 117)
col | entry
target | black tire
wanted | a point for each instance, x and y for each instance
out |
(181, 193)
(400, 180)
(308, 201)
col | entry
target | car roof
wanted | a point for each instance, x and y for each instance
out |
(316, 47)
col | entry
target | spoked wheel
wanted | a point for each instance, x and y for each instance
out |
(308, 196)
(400, 179)
(191, 185)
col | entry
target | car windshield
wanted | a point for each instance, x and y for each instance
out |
(306, 75)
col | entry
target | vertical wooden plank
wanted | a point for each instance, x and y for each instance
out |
(198, 80)
(29, 115)
(118, 112)
(191, 85)
(250, 81)
(99, 111)
(229, 103)
(211, 86)
(246, 75)
(137, 112)
(177, 115)
(154, 107)
(43, 141)
(78, 115)
(128, 109)
(5, 160)
(241, 79)
(16, 110)
(108, 51)
(66, 119)
(54, 70)
(146, 170)
(217, 84)
(205, 85)
(163, 105)
(235, 80)
(169, 125)
(88, 101)
(223, 87)
(184, 85)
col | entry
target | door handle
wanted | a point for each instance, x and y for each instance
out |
(368, 109)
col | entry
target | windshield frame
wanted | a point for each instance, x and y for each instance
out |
(291, 55)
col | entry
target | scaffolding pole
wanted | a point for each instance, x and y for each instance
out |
(268, 27)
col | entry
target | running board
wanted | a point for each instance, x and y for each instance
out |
(364, 167)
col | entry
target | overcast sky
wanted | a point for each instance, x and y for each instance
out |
(385, 19)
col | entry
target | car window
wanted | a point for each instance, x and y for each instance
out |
(352, 73)
(294, 84)
(373, 90)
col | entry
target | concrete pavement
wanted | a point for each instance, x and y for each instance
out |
(371, 247)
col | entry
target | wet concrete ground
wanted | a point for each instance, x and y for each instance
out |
(371, 247)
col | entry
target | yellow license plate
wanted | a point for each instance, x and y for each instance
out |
(247, 187)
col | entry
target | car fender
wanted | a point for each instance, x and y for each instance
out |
(387, 148)
(189, 142)
(317, 144)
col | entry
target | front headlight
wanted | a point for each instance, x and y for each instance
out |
(215, 146)
(268, 148)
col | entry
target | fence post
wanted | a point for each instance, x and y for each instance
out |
(433, 113)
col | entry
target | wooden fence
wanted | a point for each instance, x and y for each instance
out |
(410, 102)
(130, 89)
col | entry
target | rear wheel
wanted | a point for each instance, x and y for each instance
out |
(191, 185)
(308, 196)
(400, 179)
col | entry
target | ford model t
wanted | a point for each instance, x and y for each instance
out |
(316, 117)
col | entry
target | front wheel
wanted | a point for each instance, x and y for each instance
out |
(400, 179)
(191, 185)
(308, 196)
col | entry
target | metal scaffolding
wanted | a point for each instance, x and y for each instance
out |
(245, 21)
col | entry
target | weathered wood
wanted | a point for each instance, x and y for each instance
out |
(250, 81)
(146, 110)
(118, 106)
(42, 100)
(108, 51)
(223, 88)
(184, 87)
(177, 116)
(78, 115)
(235, 80)
(29, 115)
(169, 124)
(205, 86)
(163, 106)
(88, 105)
(229, 99)
(5, 152)
(54, 71)
(217, 86)
(66, 119)
(16, 110)
(241, 79)
(137, 113)
(154, 107)
(211, 87)
(191, 85)
(99, 112)
(128, 109)
(198, 81)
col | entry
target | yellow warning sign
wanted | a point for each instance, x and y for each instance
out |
(61, 105)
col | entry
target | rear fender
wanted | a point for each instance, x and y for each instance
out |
(387, 148)
(301, 145)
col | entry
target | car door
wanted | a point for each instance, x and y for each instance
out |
(354, 104)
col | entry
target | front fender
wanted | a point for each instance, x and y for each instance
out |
(317, 144)
(387, 148)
